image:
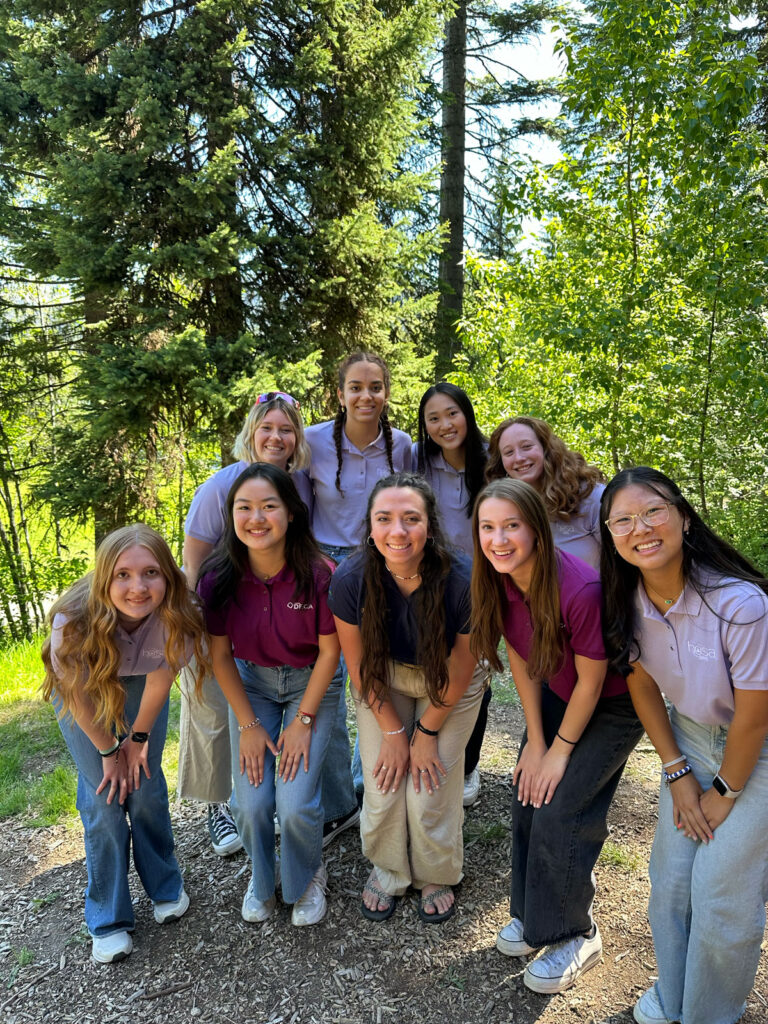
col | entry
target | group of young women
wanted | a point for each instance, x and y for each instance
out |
(413, 564)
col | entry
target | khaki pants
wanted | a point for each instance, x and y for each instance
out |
(413, 838)
(205, 762)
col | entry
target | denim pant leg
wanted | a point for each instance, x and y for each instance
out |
(707, 905)
(337, 785)
(108, 906)
(556, 846)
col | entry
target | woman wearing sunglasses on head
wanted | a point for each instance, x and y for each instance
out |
(686, 619)
(273, 432)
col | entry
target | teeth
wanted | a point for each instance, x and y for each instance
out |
(647, 546)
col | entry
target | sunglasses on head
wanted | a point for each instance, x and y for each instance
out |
(270, 396)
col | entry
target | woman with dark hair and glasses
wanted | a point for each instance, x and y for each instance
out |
(686, 619)
(402, 614)
(580, 727)
(273, 433)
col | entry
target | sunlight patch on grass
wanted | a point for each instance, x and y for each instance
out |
(615, 856)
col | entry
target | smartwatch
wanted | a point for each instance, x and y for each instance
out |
(140, 737)
(721, 786)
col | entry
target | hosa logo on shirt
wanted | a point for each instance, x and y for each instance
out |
(152, 652)
(297, 606)
(702, 653)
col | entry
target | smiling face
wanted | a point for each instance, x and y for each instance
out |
(138, 585)
(261, 521)
(653, 549)
(399, 528)
(506, 540)
(365, 393)
(521, 453)
(274, 439)
(445, 423)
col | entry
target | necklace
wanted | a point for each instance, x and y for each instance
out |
(666, 600)
(398, 577)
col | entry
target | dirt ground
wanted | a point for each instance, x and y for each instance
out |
(212, 966)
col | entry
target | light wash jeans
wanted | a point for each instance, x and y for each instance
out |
(275, 695)
(108, 836)
(340, 782)
(707, 906)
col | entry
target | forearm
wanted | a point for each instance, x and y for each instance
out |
(228, 678)
(156, 690)
(529, 692)
(582, 702)
(83, 713)
(652, 712)
(746, 736)
(194, 553)
(325, 668)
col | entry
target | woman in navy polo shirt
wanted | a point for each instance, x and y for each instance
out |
(686, 616)
(275, 651)
(402, 613)
(580, 727)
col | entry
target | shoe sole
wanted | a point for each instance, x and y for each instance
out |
(263, 915)
(353, 820)
(643, 1018)
(307, 924)
(550, 986)
(510, 948)
(112, 960)
(227, 849)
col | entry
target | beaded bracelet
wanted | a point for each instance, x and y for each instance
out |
(251, 725)
(393, 732)
(425, 730)
(678, 774)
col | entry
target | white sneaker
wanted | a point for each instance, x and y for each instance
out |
(648, 1009)
(108, 949)
(311, 907)
(471, 788)
(256, 910)
(561, 965)
(510, 940)
(171, 910)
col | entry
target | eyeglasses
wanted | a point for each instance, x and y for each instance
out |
(270, 396)
(656, 515)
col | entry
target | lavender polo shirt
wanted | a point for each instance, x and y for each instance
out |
(266, 624)
(337, 518)
(207, 516)
(701, 649)
(451, 492)
(580, 535)
(141, 651)
(582, 633)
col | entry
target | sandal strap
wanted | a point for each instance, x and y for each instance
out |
(430, 900)
(383, 897)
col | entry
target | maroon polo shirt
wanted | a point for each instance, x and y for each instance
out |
(266, 624)
(581, 626)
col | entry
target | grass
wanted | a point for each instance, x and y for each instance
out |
(615, 856)
(476, 832)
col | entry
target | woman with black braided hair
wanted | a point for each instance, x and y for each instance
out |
(349, 455)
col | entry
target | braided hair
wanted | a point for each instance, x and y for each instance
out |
(341, 415)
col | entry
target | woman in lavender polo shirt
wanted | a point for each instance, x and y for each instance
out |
(686, 618)
(275, 652)
(273, 432)
(119, 637)
(580, 727)
(451, 454)
(526, 448)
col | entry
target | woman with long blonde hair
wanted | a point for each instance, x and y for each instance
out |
(119, 637)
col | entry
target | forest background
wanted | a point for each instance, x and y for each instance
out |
(201, 201)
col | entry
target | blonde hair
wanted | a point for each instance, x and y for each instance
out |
(243, 448)
(88, 657)
(567, 478)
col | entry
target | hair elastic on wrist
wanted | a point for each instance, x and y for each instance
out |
(571, 743)
(111, 750)
(677, 760)
(425, 730)
(250, 725)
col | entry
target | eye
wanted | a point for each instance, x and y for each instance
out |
(153, 572)
(621, 521)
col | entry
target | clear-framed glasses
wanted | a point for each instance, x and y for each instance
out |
(270, 396)
(654, 515)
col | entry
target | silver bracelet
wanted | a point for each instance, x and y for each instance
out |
(251, 725)
(393, 732)
(676, 761)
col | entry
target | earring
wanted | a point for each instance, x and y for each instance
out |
(370, 541)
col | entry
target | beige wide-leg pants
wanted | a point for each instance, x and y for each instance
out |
(205, 762)
(416, 838)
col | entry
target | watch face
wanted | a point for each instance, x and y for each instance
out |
(304, 719)
(719, 786)
(140, 737)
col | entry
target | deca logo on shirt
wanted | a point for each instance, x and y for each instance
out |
(700, 652)
(297, 606)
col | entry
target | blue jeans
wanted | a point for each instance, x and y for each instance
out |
(108, 836)
(556, 846)
(275, 695)
(340, 782)
(707, 906)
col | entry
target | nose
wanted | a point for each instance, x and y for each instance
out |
(638, 526)
(398, 527)
(498, 537)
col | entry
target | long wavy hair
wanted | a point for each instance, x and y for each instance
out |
(703, 549)
(229, 559)
(88, 657)
(567, 478)
(244, 446)
(475, 455)
(341, 415)
(488, 594)
(428, 600)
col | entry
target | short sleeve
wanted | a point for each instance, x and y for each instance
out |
(325, 623)
(582, 621)
(215, 618)
(206, 519)
(345, 593)
(745, 641)
(460, 609)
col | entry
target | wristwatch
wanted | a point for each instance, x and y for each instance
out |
(721, 786)
(304, 718)
(140, 737)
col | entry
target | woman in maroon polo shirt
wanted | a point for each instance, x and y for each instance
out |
(580, 727)
(275, 652)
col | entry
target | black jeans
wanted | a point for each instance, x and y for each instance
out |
(475, 741)
(555, 847)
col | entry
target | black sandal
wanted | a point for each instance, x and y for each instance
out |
(383, 897)
(429, 901)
